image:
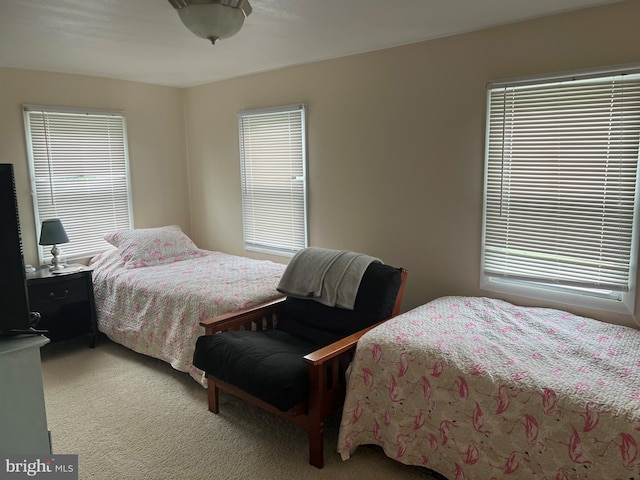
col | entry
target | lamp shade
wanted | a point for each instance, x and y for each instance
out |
(212, 19)
(52, 232)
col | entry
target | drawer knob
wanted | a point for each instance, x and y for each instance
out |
(64, 295)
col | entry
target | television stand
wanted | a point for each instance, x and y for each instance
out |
(28, 331)
(23, 423)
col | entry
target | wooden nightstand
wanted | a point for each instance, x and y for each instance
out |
(65, 302)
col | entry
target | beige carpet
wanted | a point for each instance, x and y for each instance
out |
(129, 416)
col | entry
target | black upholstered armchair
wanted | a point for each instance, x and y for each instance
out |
(289, 356)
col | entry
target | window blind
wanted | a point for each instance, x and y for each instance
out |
(561, 182)
(273, 175)
(79, 173)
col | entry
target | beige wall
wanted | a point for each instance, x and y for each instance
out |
(156, 136)
(396, 142)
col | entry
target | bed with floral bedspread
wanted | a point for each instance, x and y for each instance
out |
(156, 310)
(480, 389)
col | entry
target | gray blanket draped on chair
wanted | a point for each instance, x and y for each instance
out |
(331, 277)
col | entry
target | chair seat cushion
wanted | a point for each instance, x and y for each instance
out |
(268, 365)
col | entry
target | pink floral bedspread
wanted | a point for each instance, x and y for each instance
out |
(479, 389)
(156, 310)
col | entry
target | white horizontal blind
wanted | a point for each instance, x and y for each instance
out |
(560, 189)
(79, 170)
(273, 172)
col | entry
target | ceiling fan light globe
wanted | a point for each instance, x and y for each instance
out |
(212, 21)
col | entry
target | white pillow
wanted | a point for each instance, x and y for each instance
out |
(144, 247)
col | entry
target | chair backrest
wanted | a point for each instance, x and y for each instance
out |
(378, 298)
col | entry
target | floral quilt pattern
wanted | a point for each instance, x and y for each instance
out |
(156, 310)
(480, 389)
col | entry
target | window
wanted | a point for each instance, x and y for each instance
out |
(79, 174)
(273, 173)
(560, 201)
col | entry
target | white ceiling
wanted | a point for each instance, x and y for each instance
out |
(145, 41)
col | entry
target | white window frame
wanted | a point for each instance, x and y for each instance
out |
(273, 165)
(608, 299)
(79, 169)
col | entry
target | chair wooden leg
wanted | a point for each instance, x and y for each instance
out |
(212, 391)
(317, 386)
(316, 444)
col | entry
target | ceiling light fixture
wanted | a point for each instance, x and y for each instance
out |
(212, 19)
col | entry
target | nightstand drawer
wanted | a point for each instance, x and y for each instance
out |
(61, 292)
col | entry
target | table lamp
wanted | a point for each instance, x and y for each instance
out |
(52, 233)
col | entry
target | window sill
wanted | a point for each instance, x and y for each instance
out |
(624, 306)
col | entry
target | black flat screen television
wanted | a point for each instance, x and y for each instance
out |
(15, 317)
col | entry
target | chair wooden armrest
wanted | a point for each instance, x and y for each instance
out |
(336, 348)
(257, 317)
